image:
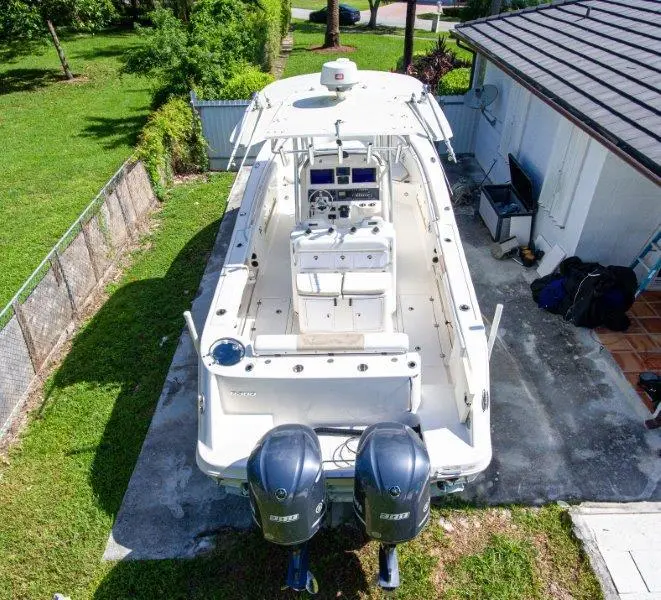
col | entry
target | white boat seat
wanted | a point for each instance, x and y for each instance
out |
(361, 283)
(328, 285)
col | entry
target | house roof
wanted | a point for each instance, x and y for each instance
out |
(596, 61)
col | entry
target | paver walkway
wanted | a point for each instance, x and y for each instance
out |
(623, 542)
(639, 348)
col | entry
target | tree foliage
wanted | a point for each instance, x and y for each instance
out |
(172, 142)
(25, 19)
(212, 48)
(26, 23)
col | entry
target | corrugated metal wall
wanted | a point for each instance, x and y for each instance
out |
(219, 117)
(463, 120)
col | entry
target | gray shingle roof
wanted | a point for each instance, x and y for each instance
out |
(598, 61)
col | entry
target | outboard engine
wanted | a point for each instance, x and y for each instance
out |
(287, 494)
(391, 491)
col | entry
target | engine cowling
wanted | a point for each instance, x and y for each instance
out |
(392, 486)
(286, 484)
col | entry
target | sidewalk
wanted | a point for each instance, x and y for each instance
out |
(623, 542)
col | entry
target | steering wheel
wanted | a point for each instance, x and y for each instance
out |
(322, 199)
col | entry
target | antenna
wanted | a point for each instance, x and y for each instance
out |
(481, 97)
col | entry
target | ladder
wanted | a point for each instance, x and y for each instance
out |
(651, 271)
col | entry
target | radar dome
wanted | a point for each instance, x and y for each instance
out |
(339, 75)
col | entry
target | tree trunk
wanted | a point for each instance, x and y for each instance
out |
(332, 39)
(408, 33)
(58, 47)
(374, 8)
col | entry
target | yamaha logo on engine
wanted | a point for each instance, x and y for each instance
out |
(394, 516)
(285, 519)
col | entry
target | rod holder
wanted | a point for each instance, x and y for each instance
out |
(493, 333)
(192, 330)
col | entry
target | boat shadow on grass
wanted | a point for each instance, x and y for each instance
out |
(243, 566)
(115, 373)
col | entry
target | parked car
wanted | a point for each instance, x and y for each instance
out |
(348, 15)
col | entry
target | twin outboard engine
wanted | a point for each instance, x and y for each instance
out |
(287, 494)
(391, 491)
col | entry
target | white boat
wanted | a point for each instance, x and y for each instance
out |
(345, 300)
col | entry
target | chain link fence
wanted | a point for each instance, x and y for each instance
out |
(43, 312)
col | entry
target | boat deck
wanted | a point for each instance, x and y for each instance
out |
(419, 311)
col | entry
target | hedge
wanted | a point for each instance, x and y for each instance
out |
(171, 143)
(455, 82)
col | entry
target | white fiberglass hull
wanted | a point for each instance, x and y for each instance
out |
(345, 319)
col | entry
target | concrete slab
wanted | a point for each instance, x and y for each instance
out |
(648, 563)
(622, 541)
(623, 571)
(565, 423)
(170, 509)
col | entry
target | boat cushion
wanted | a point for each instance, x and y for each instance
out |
(319, 284)
(270, 344)
(360, 283)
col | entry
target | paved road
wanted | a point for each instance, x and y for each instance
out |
(391, 15)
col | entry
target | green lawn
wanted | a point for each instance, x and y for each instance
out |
(378, 50)
(429, 16)
(62, 142)
(63, 486)
(317, 4)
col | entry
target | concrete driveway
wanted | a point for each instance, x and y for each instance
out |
(390, 15)
(565, 422)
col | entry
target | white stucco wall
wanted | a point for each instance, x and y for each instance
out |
(614, 210)
(625, 212)
(487, 136)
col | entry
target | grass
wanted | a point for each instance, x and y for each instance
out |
(317, 4)
(430, 16)
(379, 50)
(64, 484)
(63, 141)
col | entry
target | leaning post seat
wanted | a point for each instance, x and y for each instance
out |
(344, 280)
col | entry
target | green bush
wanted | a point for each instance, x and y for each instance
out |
(211, 49)
(245, 83)
(172, 142)
(476, 9)
(453, 11)
(455, 82)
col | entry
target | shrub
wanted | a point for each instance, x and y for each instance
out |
(245, 83)
(172, 142)
(430, 67)
(476, 9)
(454, 82)
(208, 51)
(454, 11)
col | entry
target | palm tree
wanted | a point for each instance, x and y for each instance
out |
(408, 33)
(332, 39)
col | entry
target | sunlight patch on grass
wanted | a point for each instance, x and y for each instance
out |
(65, 482)
(504, 570)
(65, 141)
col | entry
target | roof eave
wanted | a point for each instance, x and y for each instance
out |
(592, 129)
